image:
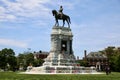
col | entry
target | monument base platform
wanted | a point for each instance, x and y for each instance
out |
(62, 70)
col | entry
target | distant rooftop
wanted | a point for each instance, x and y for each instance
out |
(41, 52)
(96, 55)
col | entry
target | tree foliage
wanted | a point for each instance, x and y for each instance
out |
(83, 63)
(113, 55)
(27, 59)
(7, 59)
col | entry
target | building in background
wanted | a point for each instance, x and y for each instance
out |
(97, 59)
(40, 55)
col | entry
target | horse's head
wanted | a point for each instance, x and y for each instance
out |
(54, 12)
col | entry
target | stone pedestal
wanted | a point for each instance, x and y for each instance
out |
(61, 53)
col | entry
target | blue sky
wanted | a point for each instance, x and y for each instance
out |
(28, 23)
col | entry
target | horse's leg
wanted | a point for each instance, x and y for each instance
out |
(68, 23)
(56, 24)
(63, 23)
(55, 21)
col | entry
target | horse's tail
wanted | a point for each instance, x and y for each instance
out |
(69, 19)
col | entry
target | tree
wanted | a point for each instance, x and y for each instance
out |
(7, 59)
(118, 63)
(117, 60)
(21, 60)
(82, 63)
(29, 59)
(113, 55)
(38, 62)
(109, 51)
(25, 59)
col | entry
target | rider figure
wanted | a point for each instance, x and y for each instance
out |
(61, 11)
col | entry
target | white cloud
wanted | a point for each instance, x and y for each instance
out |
(15, 10)
(4, 17)
(11, 42)
(2, 10)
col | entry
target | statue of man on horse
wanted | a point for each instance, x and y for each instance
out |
(60, 16)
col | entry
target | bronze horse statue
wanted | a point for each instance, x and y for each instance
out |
(58, 17)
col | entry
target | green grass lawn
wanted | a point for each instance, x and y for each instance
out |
(17, 76)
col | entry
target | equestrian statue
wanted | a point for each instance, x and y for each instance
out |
(60, 16)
